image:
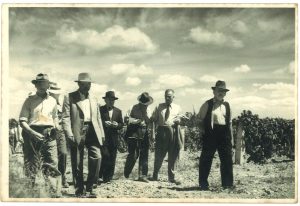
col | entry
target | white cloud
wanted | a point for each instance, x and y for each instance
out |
(133, 81)
(239, 26)
(131, 69)
(289, 69)
(172, 81)
(277, 86)
(208, 78)
(278, 90)
(98, 89)
(203, 36)
(167, 54)
(270, 25)
(244, 68)
(249, 102)
(115, 36)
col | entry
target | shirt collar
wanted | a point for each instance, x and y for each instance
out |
(83, 96)
(169, 105)
(215, 101)
(47, 95)
(109, 108)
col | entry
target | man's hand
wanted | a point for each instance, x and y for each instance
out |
(114, 124)
(142, 123)
(38, 136)
(107, 123)
(176, 121)
(71, 140)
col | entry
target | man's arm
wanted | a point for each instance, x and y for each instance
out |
(230, 127)
(200, 116)
(24, 116)
(66, 120)
(120, 120)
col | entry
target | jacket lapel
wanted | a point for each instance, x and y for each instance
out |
(113, 116)
(78, 101)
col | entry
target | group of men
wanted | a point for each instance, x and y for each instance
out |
(50, 125)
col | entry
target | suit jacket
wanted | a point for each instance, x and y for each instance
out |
(73, 117)
(111, 134)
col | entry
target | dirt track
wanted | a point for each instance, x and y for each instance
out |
(275, 180)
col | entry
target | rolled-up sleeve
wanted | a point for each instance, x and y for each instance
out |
(25, 111)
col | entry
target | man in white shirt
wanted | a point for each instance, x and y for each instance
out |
(38, 118)
(216, 129)
(167, 118)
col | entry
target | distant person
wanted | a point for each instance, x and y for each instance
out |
(15, 138)
(216, 128)
(137, 136)
(55, 91)
(38, 119)
(83, 127)
(112, 121)
(167, 117)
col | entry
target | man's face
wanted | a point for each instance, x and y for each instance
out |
(109, 102)
(219, 94)
(84, 86)
(42, 86)
(169, 96)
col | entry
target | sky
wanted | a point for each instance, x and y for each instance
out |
(135, 50)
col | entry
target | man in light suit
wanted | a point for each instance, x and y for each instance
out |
(112, 121)
(82, 124)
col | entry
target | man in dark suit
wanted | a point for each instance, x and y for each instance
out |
(112, 121)
(82, 124)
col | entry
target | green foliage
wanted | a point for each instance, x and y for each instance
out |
(263, 138)
(266, 137)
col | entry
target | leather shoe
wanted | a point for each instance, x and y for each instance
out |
(204, 188)
(153, 179)
(64, 182)
(175, 182)
(143, 179)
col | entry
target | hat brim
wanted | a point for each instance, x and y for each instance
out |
(35, 81)
(84, 81)
(54, 91)
(220, 88)
(145, 103)
(115, 98)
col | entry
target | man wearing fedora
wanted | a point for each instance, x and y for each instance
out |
(167, 118)
(38, 118)
(216, 127)
(112, 121)
(55, 92)
(137, 136)
(82, 124)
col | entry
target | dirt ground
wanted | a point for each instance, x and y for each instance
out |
(274, 180)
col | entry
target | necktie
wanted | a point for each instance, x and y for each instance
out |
(167, 114)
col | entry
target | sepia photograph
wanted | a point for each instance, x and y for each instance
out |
(149, 103)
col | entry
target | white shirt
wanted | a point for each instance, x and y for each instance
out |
(160, 111)
(219, 114)
(86, 109)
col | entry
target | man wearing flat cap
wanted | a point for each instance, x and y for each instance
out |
(112, 121)
(216, 129)
(82, 124)
(137, 136)
(39, 121)
(55, 91)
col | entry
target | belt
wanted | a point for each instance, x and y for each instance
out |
(167, 125)
(41, 126)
